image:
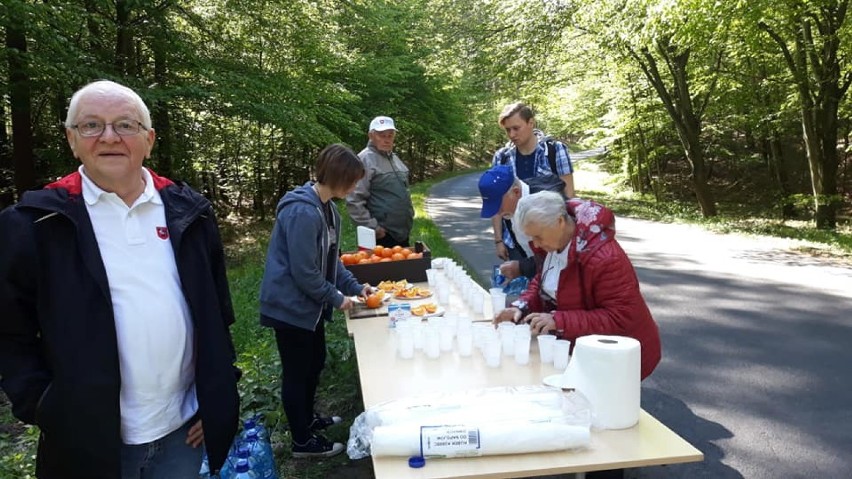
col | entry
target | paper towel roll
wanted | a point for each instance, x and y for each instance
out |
(483, 439)
(607, 370)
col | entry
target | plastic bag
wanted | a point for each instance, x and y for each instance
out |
(503, 420)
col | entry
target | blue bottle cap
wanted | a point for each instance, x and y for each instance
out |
(416, 461)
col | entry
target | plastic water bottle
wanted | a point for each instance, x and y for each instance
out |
(204, 472)
(261, 452)
(243, 470)
(497, 278)
(516, 286)
(256, 422)
(243, 452)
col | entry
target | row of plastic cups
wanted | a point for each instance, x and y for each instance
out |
(435, 336)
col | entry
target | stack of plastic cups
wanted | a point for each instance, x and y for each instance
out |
(507, 337)
(545, 347)
(522, 339)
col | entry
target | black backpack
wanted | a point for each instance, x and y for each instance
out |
(551, 182)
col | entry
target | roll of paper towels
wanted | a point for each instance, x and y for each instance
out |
(607, 370)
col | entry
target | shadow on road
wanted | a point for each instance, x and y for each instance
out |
(696, 430)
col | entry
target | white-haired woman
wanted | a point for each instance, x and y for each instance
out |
(587, 284)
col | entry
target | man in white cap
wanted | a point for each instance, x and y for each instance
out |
(381, 200)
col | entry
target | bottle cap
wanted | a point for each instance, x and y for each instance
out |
(416, 461)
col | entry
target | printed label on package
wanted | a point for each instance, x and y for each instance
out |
(449, 441)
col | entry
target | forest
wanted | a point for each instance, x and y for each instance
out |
(724, 104)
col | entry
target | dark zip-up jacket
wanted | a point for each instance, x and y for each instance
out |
(304, 279)
(58, 349)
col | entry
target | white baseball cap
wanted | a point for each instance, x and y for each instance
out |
(382, 123)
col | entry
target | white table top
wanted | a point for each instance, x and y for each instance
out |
(384, 376)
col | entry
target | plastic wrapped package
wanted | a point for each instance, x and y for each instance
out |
(489, 421)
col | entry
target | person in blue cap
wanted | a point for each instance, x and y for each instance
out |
(501, 190)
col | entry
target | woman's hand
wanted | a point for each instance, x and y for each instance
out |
(195, 436)
(511, 313)
(540, 323)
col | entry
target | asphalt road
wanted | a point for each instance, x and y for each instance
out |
(757, 342)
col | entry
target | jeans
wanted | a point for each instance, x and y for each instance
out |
(169, 457)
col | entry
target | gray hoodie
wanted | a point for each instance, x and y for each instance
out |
(304, 278)
(382, 198)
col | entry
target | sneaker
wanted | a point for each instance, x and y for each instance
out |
(321, 422)
(317, 446)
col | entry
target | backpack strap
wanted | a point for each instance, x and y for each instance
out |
(505, 155)
(550, 151)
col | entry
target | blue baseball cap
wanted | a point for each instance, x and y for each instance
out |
(493, 184)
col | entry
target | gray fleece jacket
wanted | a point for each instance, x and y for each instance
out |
(304, 278)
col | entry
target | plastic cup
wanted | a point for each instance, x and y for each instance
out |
(522, 349)
(465, 342)
(444, 294)
(545, 347)
(492, 352)
(498, 300)
(445, 337)
(507, 337)
(561, 348)
(431, 342)
(430, 277)
(405, 338)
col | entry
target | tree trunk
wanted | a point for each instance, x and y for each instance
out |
(123, 38)
(20, 100)
(679, 105)
(162, 122)
(775, 154)
(816, 69)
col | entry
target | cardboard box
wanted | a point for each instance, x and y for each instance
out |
(413, 270)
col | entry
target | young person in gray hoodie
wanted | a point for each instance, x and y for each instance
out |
(304, 281)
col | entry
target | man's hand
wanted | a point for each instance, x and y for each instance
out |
(502, 251)
(511, 313)
(510, 269)
(380, 232)
(195, 436)
(347, 304)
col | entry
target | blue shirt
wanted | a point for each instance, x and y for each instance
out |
(540, 166)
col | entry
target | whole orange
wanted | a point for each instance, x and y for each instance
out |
(374, 301)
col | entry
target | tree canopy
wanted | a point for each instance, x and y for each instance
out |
(694, 98)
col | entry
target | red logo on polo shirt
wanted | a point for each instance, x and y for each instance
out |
(163, 232)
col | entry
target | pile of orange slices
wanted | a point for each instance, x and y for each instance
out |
(423, 309)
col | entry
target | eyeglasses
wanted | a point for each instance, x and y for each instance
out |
(124, 127)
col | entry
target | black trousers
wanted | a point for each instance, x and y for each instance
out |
(302, 355)
(389, 241)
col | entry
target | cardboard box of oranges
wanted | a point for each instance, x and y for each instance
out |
(389, 264)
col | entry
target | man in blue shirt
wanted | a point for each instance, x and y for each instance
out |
(528, 157)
